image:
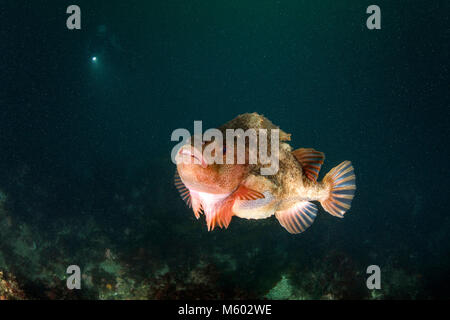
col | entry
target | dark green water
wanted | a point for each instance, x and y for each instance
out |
(85, 170)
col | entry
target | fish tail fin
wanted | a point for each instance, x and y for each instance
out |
(341, 184)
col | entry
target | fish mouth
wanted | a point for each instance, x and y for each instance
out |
(190, 155)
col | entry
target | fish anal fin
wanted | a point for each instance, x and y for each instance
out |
(311, 161)
(298, 217)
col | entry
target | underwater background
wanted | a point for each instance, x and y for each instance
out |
(85, 171)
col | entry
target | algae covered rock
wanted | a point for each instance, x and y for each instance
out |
(9, 288)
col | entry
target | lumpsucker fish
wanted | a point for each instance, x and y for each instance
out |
(221, 191)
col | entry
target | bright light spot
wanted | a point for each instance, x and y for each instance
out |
(94, 59)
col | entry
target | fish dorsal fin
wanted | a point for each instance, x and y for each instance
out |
(183, 190)
(311, 161)
(297, 218)
(223, 212)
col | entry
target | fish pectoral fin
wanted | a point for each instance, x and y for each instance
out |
(196, 207)
(311, 161)
(183, 190)
(222, 214)
(191, 201)
(298, 217)
(244, 193)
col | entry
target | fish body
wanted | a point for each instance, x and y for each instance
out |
(221, 191)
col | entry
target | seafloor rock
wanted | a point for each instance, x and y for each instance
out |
(284, 290)
(9, 288)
